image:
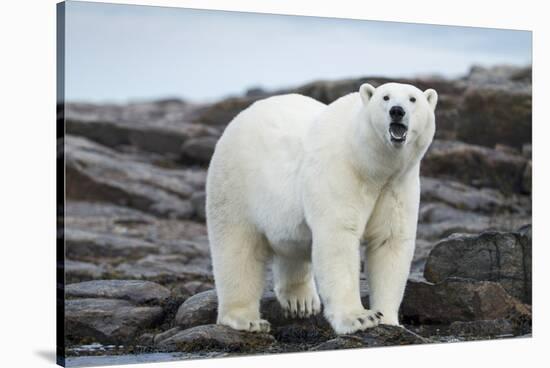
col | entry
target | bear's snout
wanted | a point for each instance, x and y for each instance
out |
(397, 113)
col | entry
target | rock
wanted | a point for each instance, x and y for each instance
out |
(166, 334)
(166, 268)
(492, 256)
(340, 342)
(495, 115)
(200, 309)
(475, 165)
(199, 150)
(87, 245)
(527, 179)
(382, 335)
(107, 320)
(487, 328)
(167, 234)
(137, 291)
(219, 114)
(198, 199)
(527, 150)
(216, 337)
(459, 300)
(158, 127)
(464, 197)
(76, 271)
(96, 173)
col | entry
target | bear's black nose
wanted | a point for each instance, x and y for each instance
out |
(397, 113)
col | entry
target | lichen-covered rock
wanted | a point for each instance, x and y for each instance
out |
(492, 256)
(137, 291)
(216, 337)
(459, 300)
(107, 320)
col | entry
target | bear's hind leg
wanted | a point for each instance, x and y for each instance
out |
(239, 257)
(295, 287)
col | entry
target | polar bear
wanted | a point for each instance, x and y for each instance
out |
(298, 184)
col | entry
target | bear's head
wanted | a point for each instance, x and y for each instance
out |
(399, 113)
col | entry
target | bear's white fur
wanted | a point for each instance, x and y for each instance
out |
(301, 183)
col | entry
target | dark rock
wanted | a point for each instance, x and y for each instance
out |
(464, 197)
(216, 337)
(158, 127)
(495, 115)
(137, 291)
(488, 328)
(76, 271)
(200, 309)
(527, 150)
(459, 300)
(96, 173)
(340, 342)
(492, 256)
(198, 199)
(475, 165)
(107, 320)
(527, 179)
(166, 234)
(87, 245)
(166, 334)
(166, 268)
(199, 150)
(382, 335)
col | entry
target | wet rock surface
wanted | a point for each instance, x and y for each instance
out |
(138, 271)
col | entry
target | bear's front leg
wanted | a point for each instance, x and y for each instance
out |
(336, 265)
(391, 234)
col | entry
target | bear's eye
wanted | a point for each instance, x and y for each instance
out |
(386, 98)
(412, 99)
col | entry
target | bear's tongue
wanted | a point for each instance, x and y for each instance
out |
(398, 131)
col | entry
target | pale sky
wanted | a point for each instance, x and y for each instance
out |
(120, 53)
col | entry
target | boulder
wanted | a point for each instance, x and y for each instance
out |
(466, 198)
(487, 328)
(459, 300)
(96, 173)
(199, 150)
(169, 235)
(216, 337)
(137, 291)
(166, 268)
(108, 321)
(76, 271)
(200, 309)
(496, 115)
(87, 245)
(475, 165)
(158, 126)
(503, 257)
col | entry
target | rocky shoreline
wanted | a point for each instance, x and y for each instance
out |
(138, 273)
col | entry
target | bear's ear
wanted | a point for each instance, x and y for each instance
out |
(431, 96)
(366, 91)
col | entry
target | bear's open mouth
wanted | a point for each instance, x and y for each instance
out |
(398, 132)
